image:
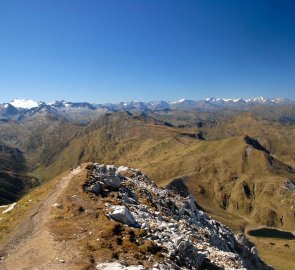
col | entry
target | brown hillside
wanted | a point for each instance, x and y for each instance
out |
(228, 174)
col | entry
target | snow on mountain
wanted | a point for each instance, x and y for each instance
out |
(24, 103)
(135, 106)
(226, 100)
(178, 101)
(249, 101)
(254, 100)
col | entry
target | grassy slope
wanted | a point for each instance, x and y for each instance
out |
(275, 136)
(213, 169)
(217, 171)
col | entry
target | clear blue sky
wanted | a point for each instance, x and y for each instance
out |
(108, 51)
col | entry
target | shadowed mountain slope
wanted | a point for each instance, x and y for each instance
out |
(14, 182)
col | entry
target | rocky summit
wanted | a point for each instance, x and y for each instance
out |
(179, 233)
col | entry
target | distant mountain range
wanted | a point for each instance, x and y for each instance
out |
(152, 105)
(20, 109)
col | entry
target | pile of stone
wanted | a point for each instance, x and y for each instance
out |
(188, 237)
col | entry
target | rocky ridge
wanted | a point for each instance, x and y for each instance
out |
(183, 235)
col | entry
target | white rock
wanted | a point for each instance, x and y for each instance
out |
(118, 266)
(122, 169)
(57, 205)
(111, 168)
(10, 208)
(123, 215)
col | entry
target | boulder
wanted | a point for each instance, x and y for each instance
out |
(96, 188)
(123, 215)
(103, 183)
(111, 182)
(128, 199)
(186, 255)
(101, 168)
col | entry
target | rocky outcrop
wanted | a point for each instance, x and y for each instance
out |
(184, 236)
(103, 179)
(185, 254)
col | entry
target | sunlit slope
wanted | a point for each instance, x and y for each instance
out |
(265, 125)
(233, 175)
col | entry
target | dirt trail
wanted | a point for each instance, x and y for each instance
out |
(33, 247)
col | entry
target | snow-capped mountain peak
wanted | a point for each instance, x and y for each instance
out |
(224, 100)
(254, 100)
(24, 103)
(258, 99)
(178, 101)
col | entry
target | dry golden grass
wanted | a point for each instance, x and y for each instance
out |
(278, 253)
(83, 224)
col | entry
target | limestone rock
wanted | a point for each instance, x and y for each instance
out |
(112, 182)
(123, 215)
(186, 255)
(186, 237)
(118, 266)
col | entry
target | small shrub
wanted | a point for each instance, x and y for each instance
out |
(132, 237)
(150, 247)
(119, 241)
(118, 228)
(115, 255)
(153, 248)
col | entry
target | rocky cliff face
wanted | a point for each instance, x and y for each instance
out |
(180, 235)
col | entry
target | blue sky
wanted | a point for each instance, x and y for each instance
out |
(108, 51)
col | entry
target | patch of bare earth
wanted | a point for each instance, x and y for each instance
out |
(33, 246)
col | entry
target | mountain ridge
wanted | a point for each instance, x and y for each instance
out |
(85, 112)
(29, 104)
